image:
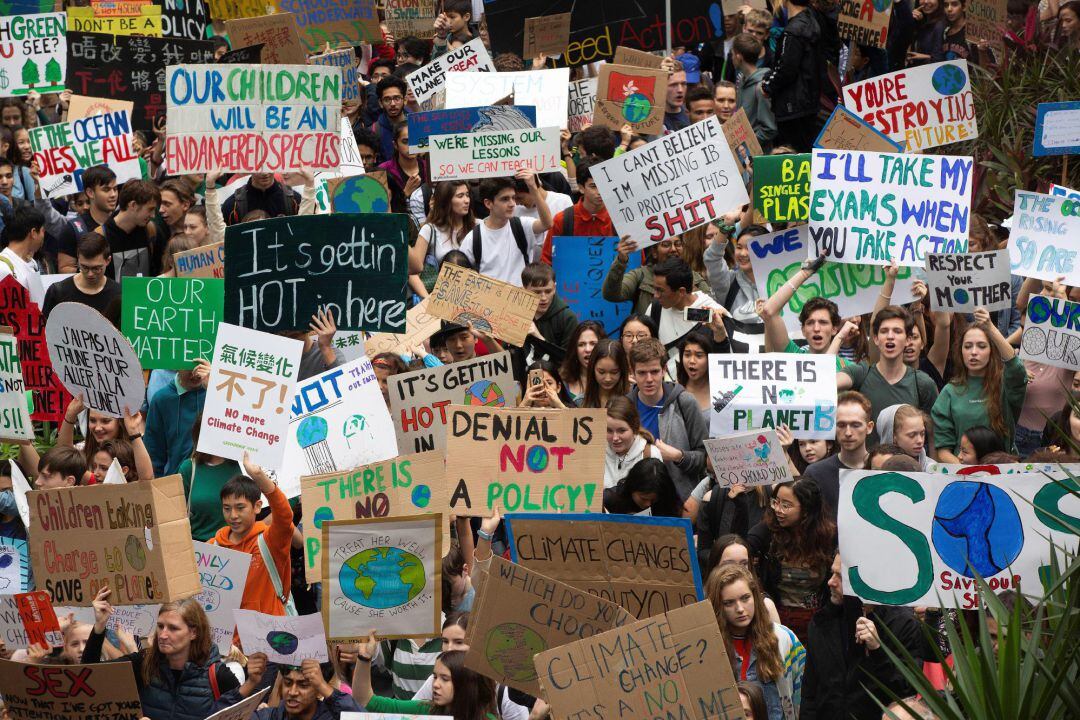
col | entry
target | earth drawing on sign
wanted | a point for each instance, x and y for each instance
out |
(510, 648)
(382, 577)
(282, 642)
(360, 194)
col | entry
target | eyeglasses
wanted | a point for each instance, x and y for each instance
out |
(92, 269)
(785, 506)
(388, 99)
(668, 244)
(636, 336)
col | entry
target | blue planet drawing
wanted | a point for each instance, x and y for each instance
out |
(282, 642)
(421, 496)
(382, 577)
(636, 108)
(961, 296)
(949, 80)
(311, 435)
(976, 528)
(360, 194)
(323, 514)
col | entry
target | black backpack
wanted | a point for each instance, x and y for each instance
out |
(519, 237)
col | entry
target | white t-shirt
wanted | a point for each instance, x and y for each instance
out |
(25, 272)
(673, 325)
(439, 243)
(502, 258)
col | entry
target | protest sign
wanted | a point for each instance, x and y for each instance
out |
(243, 56)
(868, 207)
(108, 66)
(419, 326)
(367, 193)
(387, 716)
(524, 459)
(185, 19)
(172, 322)
(921, 538)
(232, 9)
(865, 23)
(345, 61)
(14, 565)
(251, 380)
(338, 421)
(581, 264)
(671, 185)
(411, 17)
(14, 412)
(222, 576)
(142, 20)
(286, 639)
(64, 150)
(546, 90)
(782, 187)
(419, 399)
(132, 538)
(207, 261)
(385, 573)
(773, 389)
(1057, 129)
(23, 316)
(350, 23)
(499, 153)
(72, 692)
(278, 34)
(463, 296)
(243, 710)
(429, 79)
(600, 677)
(743, 143)
(20, 489)
(93, 360)
(33, 53)
(546, 35)
(1045, 237)
(753, 458)
(846, 131)
(634, 96)
(39, 619)
(984, 20)
(1052, 332)
(284, 270)
(922, 107)
(637, 58)
(518, 613)
(398, 487)
(258, 118)
(422, 125)
(1060, 191)
(961, 283)
(580, 105)
(12, 632)
(81, 106)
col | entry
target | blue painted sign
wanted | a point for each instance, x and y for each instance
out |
(473, 119)
(581, 264)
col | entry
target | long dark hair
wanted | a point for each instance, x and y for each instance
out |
(797, 459)
(551, 369)
(985, 440)
(701, 339)
(474, 694)
(648, 476)
(756, 697)
(606, 348)
(572, 369)
(810, 542)
(992, 379)
(441, 215)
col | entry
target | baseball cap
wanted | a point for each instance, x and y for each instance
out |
(692, 65)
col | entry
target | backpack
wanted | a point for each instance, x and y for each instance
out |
(240, 203)
(568, 221)
(519, 237)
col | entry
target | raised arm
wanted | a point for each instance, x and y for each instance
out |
(133, 423)
(361, 680)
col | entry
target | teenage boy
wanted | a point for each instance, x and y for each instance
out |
(819, 318)
(453, 23)
(130, 232)
(90, 285)
(675, 117)
(62, 466)
(460, 342)
(554, 321)
(671, 414)
(700, 104)
(99, 187)
(390, 92)
(171, 416)
(25, 233)
(503, 244)
(306, 694)
(271, 569)
(674, 286)
(588, 217)
(853, 426)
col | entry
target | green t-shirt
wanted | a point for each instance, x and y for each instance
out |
(791, 347)
(915, 388)
(204, 495)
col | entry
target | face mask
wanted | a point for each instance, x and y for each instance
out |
(466, 602)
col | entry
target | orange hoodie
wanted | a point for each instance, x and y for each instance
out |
(259, 592)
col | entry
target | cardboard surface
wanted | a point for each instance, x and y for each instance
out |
(463, 296)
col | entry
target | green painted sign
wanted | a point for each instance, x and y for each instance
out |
(172, 322)
(782, 187)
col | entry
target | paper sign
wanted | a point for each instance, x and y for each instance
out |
(463, 296)
(753, 458)
(411, 17)
(39, 619)
(671, 185)
(94, 360)
(923, 107)
(470, 57)
(223, 576)
(207, 261)
(876, 207)
(259, 118)
(172, 322)
(422, 125)
(243, 710)
(518, 613)
(864, 23)
(65, 150)
(594, 676)
(81, 106)
(1060, 191)
(920, 538)
(363, 194)
(12, 632)
(547, 35)
(628, 95)
(1051, 335)
(243, 56)
(1045, 237)
(34, 53)
(384, 573)
(419, 326)
(581, 264)
(286, 639)
(637, 58)
(72, 692)
(345, 61)
(20, 313)
(1057, 129)
(14, 564)
(964, 282)
(338, 421)
(185, 19)
(146, 22)
(14, 412)
(477, 155)
(846, 131)
(387, 716)
(399, 487)
(319, 22)
(134, 538)
(278, 34)
(782, 187)
(773, 389)
(546, 90)
(581, 104)
(742, 142)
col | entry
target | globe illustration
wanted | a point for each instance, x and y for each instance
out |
(636, 108)
(485, 392)
(322, 515)
(282, 642)
(976, 528)
(961, 296)
(510, 649)
(382, 577)
(421, 496)
(949, 80)
(134, 552)
(361, 194)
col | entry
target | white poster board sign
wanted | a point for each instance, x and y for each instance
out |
(286, 639)
(753, 458)
(1045, 237)
(544, 89)
(431, 78)
(962, 282)
(14, 412)
(243, 710)
(500, 153)
(1050, 334)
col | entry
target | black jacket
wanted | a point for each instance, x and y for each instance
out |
(767, 564)
(838, 682)
(795, 83)
(722, 515)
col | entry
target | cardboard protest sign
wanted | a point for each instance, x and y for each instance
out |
(398, 487)
(637, 58)
(1051, 333)
(743, 143)
(39, 619)
(1045, 237)
(64, 150)
(581, 104)
(282, 271)
(865, 23)
(1057, 129)
(773, 389)
(133, 538)
(671, 185)
(251, 380)
(419, 399)
(72, 692)
(419, 326)
(430, 79)
(782, 187)
(753, 458)
(278, 33)
(500, 153)
(985, 20)
(463, 296)
(286, 639)
(81, 106)
(961, 283)
(338, 421)
(877, 207)
(172, 322)
(846, 131)
(258, 119)
(412, 17)
(14, 412)
(243, 710)
(14, 565)
(143, 20)
(631, 95)
(33, 53)
(222, 575)
(350, 23)
(384, 572)
(243, 56)
(546, 90)
(518, 613)
(232, 9)
(207, 261)
(422, 125)
(547, 35)
(23, 316)
(920, 538)
(93, 360)
(345, 61)
(922, 107)
(581, 264)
